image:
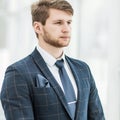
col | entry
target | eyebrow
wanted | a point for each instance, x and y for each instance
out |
(62, 20)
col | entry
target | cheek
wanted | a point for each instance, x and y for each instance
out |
(54, 33)
(56, 30)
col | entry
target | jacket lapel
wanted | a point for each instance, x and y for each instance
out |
(46, 73)
(77, 80)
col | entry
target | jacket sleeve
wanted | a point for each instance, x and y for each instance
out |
(15, 96)
(95, 110)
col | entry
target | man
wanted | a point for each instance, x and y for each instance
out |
(33, 88)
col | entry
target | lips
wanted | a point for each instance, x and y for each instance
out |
(65, 37)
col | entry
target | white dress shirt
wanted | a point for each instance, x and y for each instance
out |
(50, 61)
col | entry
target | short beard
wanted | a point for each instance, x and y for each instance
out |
(53, 42)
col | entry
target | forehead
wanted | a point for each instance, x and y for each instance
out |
(55, 14)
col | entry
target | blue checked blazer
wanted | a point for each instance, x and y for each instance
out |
(30, 92)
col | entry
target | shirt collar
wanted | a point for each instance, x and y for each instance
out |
(51, 61)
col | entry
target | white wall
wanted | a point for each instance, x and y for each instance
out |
(114, 61)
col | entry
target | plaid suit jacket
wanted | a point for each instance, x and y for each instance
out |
(22, 99)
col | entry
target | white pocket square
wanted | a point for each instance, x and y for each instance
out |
(41, 81)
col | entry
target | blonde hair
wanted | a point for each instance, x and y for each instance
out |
(40, 9)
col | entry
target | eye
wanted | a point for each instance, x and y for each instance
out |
(69, 22)
(58, 23)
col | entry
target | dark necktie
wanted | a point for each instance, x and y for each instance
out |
(67, 86)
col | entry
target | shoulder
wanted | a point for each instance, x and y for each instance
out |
(79, 65)
(81, 68)
(24, 62)
(21, 62)
(20, 65)
(77, 62)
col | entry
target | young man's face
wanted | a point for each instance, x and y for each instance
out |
(57, 30)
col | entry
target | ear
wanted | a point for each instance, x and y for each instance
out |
(37, 27)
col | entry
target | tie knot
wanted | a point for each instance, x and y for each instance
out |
(59, 63)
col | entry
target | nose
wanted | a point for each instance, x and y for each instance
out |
(66, 28)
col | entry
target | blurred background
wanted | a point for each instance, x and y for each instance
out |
(95, 40)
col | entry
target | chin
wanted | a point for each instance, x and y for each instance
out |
(65, 45)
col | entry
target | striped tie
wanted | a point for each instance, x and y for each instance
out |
(67, 86)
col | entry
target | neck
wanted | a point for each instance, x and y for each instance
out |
(54, 51)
